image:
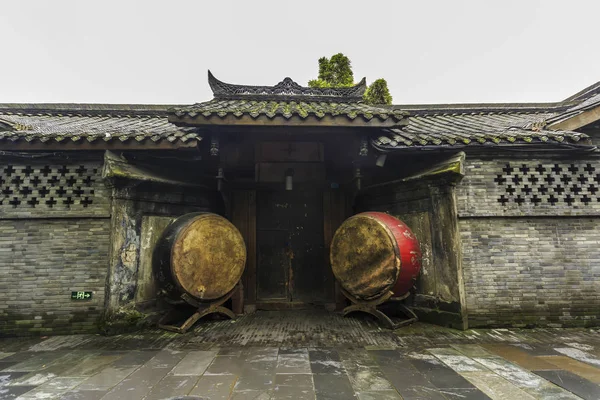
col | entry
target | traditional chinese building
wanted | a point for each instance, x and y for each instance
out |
(504, 199)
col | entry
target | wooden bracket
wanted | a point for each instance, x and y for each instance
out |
(202, 310)
(370, 307)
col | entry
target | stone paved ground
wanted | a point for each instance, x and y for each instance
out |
(306, 355)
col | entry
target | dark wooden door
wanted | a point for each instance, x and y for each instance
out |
(290, 246)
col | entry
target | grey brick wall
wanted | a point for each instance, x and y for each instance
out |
(41, 262)
(528, 187)
(530, 232)
(531, 270)
(52, 189)
(54, 239)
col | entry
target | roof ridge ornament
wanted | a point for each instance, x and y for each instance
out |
(287, 89)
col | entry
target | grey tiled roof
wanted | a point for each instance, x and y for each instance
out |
(89, 123)
(288, 109)
(484, 128)
(399, 127)
(287, 100)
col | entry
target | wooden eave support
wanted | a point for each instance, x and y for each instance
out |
(572, 123)
(451, 170)
(117, 167)
(454, 166)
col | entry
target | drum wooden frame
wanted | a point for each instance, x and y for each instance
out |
(202, 310)
(371, 307)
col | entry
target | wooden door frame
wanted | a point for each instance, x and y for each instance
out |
(335, 211)
(243, 216)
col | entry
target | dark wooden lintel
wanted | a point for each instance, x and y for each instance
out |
(309, 121)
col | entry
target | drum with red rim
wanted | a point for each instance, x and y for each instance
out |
(373, 253)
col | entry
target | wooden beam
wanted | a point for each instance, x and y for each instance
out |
(117, 167)
(577, 121)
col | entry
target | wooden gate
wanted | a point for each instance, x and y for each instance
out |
(291, 259)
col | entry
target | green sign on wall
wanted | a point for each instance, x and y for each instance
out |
(81, 295)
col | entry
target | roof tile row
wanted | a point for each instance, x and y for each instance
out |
(62, 127)
(288, 109)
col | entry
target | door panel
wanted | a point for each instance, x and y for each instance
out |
(273, 264)
(307, 242)
(291, 256)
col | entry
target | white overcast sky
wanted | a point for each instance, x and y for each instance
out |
(429, 51)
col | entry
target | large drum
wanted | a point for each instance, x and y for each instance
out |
(373, 253)
(201, 254)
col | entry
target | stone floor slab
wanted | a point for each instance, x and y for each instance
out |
(333, 386)
(406, 379)
(524, 380)
(37, 362)
(573, 383)
(38, 393)
(34, 378)
(12, 392)
(325, 361)
(138, 384)
(586, 371)
(255, 381)
(356, 356)
(293, 387)
(91, 364)
(579, 355)
(134, 358)
(106, 379)
(225, 365)
(496, 387)
(251, 395)
(379, 395)
(194, 363)
(294, 380)
(171, 386)
(367, 379)
(293, 363)
(83, 395)
(165, 359)
(538, 349)
(230, 351)
(6, 365)
(292, 393)
(215, 387)
(53, 388)
(440, 375)
(247, 365)
(7, 378)
(519, 357)
(61, 342)
(259, 354)
(471, 350)
(464, 394)
(457, 361)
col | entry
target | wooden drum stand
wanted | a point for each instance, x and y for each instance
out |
(202, 309)
(370, 307)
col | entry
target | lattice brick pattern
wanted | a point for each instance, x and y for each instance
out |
(47, 186)
(554, 184)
